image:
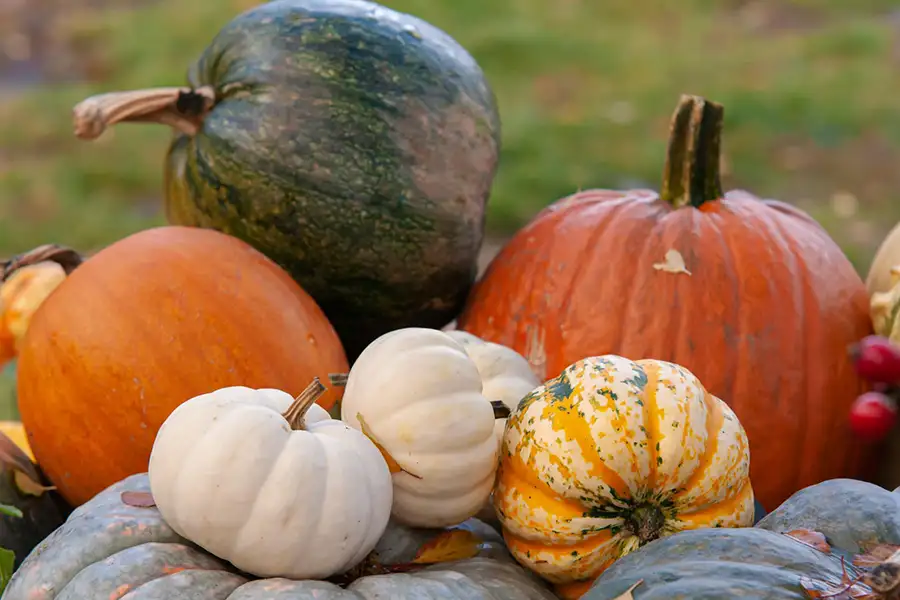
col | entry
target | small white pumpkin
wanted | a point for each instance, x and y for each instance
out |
(271, 484)
(505, 374)
(417, 394)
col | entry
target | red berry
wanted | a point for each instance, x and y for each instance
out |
(872, 416)
(877, 359)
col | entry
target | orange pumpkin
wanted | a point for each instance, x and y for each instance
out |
(750, 295)
(145, 324)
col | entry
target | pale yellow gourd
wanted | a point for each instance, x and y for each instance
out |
(20, 296)
(885, 308)
(418, 395)
(887, 257)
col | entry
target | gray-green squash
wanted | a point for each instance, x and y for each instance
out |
(112, 550)
(353, 144)
(760, 563)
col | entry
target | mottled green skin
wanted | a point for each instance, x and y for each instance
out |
(356, 147)
(110, 550)
(759, 563)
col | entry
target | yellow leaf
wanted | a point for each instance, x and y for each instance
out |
(673, 263)
(450, 545)
(627, 595)
(29, 486)
(392, 464)
(25, 473)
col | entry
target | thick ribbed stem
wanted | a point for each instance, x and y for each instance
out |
(691, 176)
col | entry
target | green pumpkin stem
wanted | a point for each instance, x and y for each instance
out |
(691, 176)
(67, 258)
(295, 414)
(181, 108)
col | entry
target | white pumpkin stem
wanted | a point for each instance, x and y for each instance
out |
(182, 108)
(67, 258)
(297, 411)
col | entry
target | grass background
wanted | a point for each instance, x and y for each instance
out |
(585, 88)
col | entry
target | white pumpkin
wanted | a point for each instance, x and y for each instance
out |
(271, 484)
(505, 374)
(417, 394)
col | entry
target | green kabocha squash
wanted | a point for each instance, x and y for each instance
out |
(352, 144)
(795, 548)
(118, 546)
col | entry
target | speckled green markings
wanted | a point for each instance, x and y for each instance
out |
(356, 147)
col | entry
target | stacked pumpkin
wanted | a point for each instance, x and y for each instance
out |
(580, 415)
(593, 464)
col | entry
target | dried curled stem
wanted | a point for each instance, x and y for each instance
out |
(67, 258)
(297, 411)
(181, 108)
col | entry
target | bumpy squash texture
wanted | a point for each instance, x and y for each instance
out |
(355, 146)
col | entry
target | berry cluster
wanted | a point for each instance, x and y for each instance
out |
(874, 413)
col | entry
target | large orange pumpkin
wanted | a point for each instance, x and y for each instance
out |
(750, 295)
(145, 324)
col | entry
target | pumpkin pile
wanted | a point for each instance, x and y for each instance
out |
(258, 401)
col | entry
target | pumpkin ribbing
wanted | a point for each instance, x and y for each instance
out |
(762, 285)
(145, 324)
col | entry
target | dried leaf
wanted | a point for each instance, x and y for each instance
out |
(813, 539)
(392, 464)
(138, 499)
(29, 486)
(874, 555)
(25, 473)
(849, 588)
(674, 263)
(450, 545)
(627, 595)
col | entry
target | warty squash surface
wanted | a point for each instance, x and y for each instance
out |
(353, 144)
(110, 549)
(611, 455)
(750, 295)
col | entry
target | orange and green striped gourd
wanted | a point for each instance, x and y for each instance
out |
(611, 455)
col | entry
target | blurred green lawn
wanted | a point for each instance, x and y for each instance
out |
(585, 89)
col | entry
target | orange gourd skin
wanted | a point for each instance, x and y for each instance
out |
(763, 319)
(147, 323)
